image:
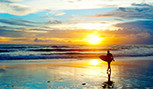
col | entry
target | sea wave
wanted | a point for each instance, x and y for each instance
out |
(19, 52)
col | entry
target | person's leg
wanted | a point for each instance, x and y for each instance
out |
(109, 71)
(109, 68)
(108, 64)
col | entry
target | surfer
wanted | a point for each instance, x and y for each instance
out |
(109, 58)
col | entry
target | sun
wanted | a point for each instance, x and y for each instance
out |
(94, 39)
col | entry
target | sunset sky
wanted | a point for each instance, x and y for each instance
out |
(76, 22)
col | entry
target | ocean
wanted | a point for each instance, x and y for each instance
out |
(59, 67)
(28, 52)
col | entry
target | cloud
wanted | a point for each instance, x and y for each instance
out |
(126, 35)
(140, 11)
(144, 25)
(53, 22)
(28, 23)
(34, 31)
(39, 23)
(25, 7)
(55, 12)
(38, 40)
(139, 30)
(9, 33)
(19, 39)
(59, 14)
(20, 32)
(9, 1)
(62, 34)
(131, 32)
(50, 41)
(101, 15)
(12, 22)
(15, 9)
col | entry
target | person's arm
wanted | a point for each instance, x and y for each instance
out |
(112, 57)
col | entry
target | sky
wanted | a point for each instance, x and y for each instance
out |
(76, 21)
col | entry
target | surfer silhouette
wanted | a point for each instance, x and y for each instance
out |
(108, 58)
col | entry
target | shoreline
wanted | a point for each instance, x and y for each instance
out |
(74, 73)
(58, 60)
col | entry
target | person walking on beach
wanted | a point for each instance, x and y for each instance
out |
(109, 58)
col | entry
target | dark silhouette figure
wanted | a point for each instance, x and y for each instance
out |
(109, 59)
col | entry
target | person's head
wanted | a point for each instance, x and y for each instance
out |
(108, 51)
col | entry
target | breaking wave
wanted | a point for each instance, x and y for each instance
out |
(22, 52)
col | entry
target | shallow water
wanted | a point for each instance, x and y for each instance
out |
(75, 74)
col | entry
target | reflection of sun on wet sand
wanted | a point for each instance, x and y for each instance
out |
(64, 74)
(70, 74)
(77, 64)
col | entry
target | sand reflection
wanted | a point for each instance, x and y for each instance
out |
(72, 73)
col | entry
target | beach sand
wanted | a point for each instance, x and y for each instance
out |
(127, 73)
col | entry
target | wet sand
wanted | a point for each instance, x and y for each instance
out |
(75, 74)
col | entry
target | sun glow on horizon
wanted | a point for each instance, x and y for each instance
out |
(94, 39)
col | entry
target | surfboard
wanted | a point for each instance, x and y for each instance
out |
(104, 58)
